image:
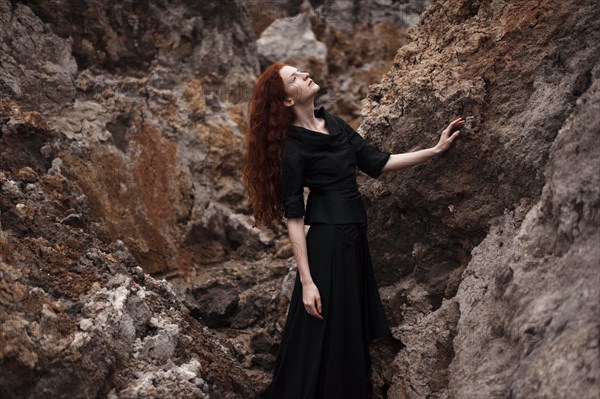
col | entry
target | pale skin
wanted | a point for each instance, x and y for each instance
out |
(301, 91)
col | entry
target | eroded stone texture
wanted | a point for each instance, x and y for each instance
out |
(489, 253)
(121, 146)
(79, 316)
(542, 285)
(146, 102)
(345, 15)
(292, 41)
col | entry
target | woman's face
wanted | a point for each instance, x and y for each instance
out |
(298, 85)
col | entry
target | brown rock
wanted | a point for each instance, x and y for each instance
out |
(494, 227)
(79, 317)
(27, 175)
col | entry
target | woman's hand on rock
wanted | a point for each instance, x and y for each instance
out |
(449, 134)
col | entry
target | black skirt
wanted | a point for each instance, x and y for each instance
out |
(330, 358)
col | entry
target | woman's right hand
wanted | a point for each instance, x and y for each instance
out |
(312, 300)
(448, 135)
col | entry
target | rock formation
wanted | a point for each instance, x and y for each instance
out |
(119, 152)
(120, 144)
(79, 316)
(292, 40)
(345, 15)
(137, 95)
(489, 254)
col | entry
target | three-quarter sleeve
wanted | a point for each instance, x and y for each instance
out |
(292, 185)
(370, 159)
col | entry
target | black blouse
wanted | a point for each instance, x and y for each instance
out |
(326, 164)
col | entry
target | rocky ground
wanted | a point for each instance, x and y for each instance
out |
(79, 316)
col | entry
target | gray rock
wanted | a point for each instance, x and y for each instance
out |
(538, 313)
(73, 219)
(241, 232)
(47, 78)
(56, 165)
(292, 40)
(349, 15)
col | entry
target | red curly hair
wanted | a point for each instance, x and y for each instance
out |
(264, 144)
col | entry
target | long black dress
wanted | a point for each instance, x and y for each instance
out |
(329, 358)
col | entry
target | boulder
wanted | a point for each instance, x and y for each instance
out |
(487, 254)
(292, 41)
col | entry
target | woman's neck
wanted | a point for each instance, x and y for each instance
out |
(305, 117)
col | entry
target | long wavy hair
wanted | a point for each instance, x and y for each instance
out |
(264, 146)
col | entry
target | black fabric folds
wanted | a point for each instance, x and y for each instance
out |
(369, 158)
(329, 358)
(326, 164)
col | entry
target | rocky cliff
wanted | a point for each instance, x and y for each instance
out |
(489, 254)
(121, 131)
(115, 162)
(79, 317)
(135, 93)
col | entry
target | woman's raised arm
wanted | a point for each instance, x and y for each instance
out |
(399, 161)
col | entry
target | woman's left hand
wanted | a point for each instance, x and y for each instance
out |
(446, 140)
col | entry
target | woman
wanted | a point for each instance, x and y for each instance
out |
(335, 309)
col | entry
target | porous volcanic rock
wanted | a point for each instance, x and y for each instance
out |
(489, 253)
(147, 102)
(79, 316)
(344, 15)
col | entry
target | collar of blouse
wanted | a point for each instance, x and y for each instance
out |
(316, 140)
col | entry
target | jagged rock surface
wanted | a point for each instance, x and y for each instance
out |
(127, 124)
(292, 41)
(80, 318)
(345, 15)
(489, 253)
(115, 125)
(138, 96)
